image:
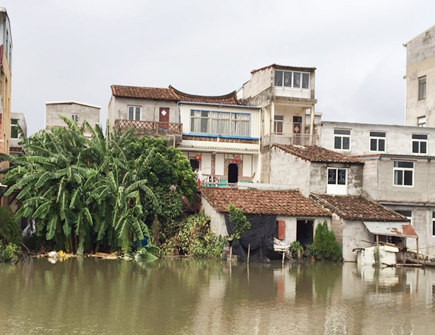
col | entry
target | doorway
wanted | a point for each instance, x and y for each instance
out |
(304, 231)
(233, 173)
(194, 164)
(164, 118)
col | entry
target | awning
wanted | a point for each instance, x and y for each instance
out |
(398, 229)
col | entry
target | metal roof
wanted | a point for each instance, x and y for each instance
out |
(399, 229)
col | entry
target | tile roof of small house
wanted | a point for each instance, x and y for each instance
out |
(171, 94)
(314, 153)
(251, 201)
(357, 207)
(286, 67)
(227, 99)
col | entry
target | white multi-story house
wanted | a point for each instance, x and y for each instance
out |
(219, 136)
(420, 79)
(287, 97)
(399, 168)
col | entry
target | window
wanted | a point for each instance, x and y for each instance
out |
(14, 128)
(419, 144)
(278, 77)
(134, 113)
(405, 213)
(341, 139)
(377, 141)
(278, 124)
(292, 79)
(220, 123)
(336, 176)
(421, 121)
(75, 117)
(403, 173)
(422, 88)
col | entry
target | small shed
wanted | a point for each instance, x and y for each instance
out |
(359, 222)
(288, 215)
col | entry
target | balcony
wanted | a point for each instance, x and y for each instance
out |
(295, 139)
(150, 128)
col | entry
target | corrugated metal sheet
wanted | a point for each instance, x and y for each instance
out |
(399, 229)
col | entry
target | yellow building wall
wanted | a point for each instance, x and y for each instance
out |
(5, 89)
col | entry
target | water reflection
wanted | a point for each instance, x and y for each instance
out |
(184, 296)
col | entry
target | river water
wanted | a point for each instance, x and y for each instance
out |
(186, 296)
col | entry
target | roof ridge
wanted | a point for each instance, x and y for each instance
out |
(178, 93)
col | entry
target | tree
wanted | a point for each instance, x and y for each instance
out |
(238, 220)
(87, 194)
(325, 244)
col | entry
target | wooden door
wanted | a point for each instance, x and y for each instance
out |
(164, 118)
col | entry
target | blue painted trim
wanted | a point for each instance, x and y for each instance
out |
(222, 136)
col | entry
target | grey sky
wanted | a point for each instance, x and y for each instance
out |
(76, 49)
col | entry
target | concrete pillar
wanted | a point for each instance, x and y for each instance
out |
(312, 125)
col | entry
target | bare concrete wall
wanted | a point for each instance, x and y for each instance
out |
(118, 109)
(354, 235)
(420, 61)
(85, 112)
(423, 189)
(260, 81)
(289, 170)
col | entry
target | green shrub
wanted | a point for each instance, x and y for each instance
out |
(195, 238)
(238, 220)
(9, 229)
(8, 252)
(294, 247)
(325, 244)
(310, 250)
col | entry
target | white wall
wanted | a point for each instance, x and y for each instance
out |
(398, 138)
(217, 220)
(354, 233)
(85, 112)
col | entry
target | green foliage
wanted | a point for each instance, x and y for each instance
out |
(9, 229)
(310, 250)
(238, 220)
(325, 244)
(147, 254)
(195, 238)
(294, 247)
(99, 193)
(9, 252)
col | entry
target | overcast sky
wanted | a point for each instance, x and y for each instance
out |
(75, 49)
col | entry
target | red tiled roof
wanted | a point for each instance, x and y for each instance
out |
(314, 153)
(144, 92)
(357, 207)
(171, 94)
(289, 203)
(286, 67)
(228, 99)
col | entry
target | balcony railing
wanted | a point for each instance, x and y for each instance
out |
(271, 139)
(150, 127)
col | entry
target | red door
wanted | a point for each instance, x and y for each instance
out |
(164, 117)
